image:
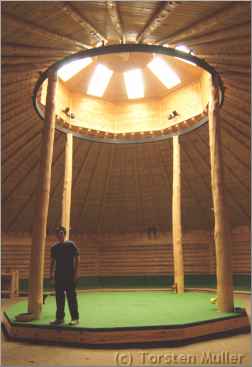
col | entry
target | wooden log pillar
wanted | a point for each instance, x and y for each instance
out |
(36, 276)
(67, 187)
(222, 234)
(176, 219)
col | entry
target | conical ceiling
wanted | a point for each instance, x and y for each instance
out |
(123, 188)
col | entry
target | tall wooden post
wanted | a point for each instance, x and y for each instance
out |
(222, 235)
(176, 218)
(67, 187)
(42, 203)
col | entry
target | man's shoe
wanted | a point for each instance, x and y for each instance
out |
(57, 322)
(74, 322)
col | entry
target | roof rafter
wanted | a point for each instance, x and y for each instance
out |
(11, 49)
(203, 25)
(31, 27)
(87, 26)
(158, 18)
(229, 33)
(115, 18)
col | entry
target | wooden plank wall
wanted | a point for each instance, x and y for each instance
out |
(133, 255)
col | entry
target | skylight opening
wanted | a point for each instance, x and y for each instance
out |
(187, 50)
(66, 72)
(164, 72)
(99, 81)
(134, 83)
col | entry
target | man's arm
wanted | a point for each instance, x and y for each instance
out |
(76, 267)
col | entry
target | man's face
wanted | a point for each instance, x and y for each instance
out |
(61, 235)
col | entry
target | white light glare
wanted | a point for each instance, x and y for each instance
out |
(164, 72)
(187, 51)
(99, 81)
(66, 72)
(134, 83)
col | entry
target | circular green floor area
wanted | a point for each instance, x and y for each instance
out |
(112, 309)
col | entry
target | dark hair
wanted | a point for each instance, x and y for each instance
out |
(61, 228)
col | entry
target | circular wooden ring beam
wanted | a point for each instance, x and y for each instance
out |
(129, 137)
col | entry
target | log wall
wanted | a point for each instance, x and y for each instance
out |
(133, 255)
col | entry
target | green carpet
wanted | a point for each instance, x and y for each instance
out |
(133, 309)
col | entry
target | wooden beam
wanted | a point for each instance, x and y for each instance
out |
(79, 19)
(227, 34)
(67, 184)
(204, 25)
(44, 33)
(222, 232)
(178, 259)
(42, 203)
(157, 19)
(112, 8)
(15, 49)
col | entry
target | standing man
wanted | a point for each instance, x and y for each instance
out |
(64, 271)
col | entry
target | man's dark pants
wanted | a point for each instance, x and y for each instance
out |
(68, 286)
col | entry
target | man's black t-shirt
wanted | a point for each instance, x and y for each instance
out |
(63, 254)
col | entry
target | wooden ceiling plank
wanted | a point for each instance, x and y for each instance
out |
(233, 153)
(158, 18)
(9, 105)
(9, 144)
(79, 19)
(230, 33)
(139, 196)
(14, 125)
(190, 188)
(243, 104)
(229, 59)
(15, 49)
(16, 60)
(236, 138)
(19, 148)
(228, 168)
(115, 18)
(83, 205)
(236, 93)
(219, 66)
(238, 113)
(231, 196)
(25, 68)
(82, 165)
(205, 25)
(235, 86)
(25, 158)
(30, 198)
(44, 33)
(5, 83)
(14, 113)
(100, 219)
